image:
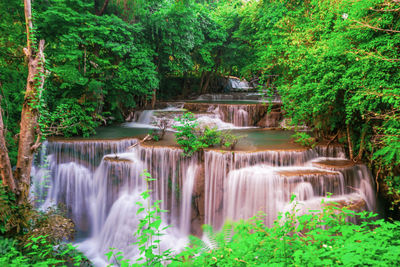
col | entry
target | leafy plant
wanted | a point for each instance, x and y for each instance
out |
(14, 217)
(323, 237)
(39, 252)
(187, 134)
(210, 136)
(229, 140)
(69, 119)
(304, 139)
(191, 137)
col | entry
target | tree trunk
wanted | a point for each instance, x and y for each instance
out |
(185, 86)
(29, 126)
(206, 83)
(201, 80)
(153, 99)
(5, 164)
(20, 180)
(362, 143)
(101, 11)
(350, 144)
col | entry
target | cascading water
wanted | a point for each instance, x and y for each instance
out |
(187, 193)
(101, 201)
(237, 84)
(147, 118)
(272, 191)
(239, 115)
(99, 181)
(240, 184)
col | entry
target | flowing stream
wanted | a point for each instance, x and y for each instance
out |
(100, 181)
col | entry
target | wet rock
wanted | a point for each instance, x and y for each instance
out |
(334, 164)
(271, 119)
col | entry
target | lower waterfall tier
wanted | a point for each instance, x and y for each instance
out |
(99, 184)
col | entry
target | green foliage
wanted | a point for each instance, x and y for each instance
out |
(321, 238)
(37, 237)
(229, 140)
(210, 137)
(337, 65)
(38, 252)
(191, 137)
(187, 134)
(14, 217)
(69, 119)
(13, 70)
(304, 139)
(154, 135)
(94, 58)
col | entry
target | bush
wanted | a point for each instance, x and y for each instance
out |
(69, 119)
(304, 139)
(39, 252)
(320, 238)
(191, 137)
(210, 136)
(13, 217)
(187, 135)
(36, 236)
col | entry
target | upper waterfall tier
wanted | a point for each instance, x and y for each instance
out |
(223, 115)
(241, 114)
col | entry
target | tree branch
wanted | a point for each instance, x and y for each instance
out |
(103, 8)
(375, 28)
(5, 164)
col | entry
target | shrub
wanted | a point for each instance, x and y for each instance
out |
(320, 238)
(37, 236)
(39, 252)
(210, 136)
(191, 137)
(187, 134)
(70, 118)
(13, 217)
(304, 139)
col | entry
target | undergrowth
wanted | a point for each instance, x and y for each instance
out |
(325, 237)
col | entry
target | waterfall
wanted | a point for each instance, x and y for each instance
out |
(86, 152)
(144, 117)
(187, 192)
(238, 84)
(215, 173)
(99, 182)
(148, 118)
(240, 115)
(271, 191)
(101, 200)
(116, 174)
(240, 184)
(238, 96)
(169, 167)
